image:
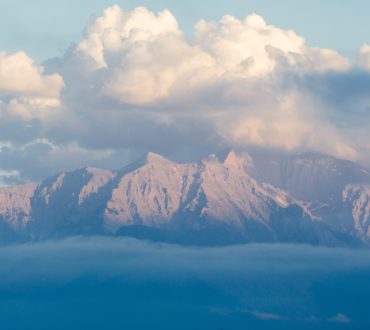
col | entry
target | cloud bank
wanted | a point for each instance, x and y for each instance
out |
(91, 282)
(135, 83)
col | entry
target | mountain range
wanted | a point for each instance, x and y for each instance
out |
(309, 198)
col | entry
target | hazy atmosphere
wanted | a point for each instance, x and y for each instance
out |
(173, 165)
(108, 283)
(185, 82)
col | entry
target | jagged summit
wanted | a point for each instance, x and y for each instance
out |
(240, 198)
(152, 157)
(240, 160)
(211, 159)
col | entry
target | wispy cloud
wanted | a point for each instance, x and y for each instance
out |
(267, 316)
(340, 318)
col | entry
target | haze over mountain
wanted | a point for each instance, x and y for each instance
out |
(310, 198)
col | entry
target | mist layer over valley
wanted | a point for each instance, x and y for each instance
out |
(111, 283)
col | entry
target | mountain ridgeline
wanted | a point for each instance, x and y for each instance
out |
(310, 198)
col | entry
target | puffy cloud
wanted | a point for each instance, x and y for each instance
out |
(134, 83)
(25, 90)
(253, 48)
(364, 56)
(115, 30)
(145, 57)
(18, 75)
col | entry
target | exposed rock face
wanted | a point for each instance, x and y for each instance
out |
(334, 190)
(240, 199)
(310, 176)
(357, 198)
(15, 205)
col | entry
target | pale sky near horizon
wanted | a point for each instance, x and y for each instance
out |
(45, 28)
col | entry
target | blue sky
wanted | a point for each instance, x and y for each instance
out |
(45, 28)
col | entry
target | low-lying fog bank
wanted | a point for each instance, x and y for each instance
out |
(95, 283)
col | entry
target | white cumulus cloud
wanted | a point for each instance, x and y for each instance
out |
(135, 83)
(25, 90)
(364, 56)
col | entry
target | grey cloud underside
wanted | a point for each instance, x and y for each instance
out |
(183, 128)
(135, 84)
(311, 198)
